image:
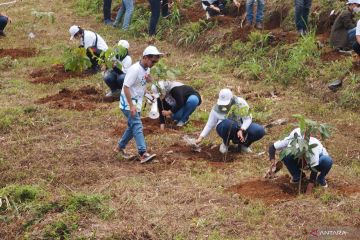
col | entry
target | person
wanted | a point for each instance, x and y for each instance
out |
(131, 99)
(127, 7)
(233, 122)
(302, 10)
(114, 78)
(342, 34)
(259, 13)
(107, 12)
(92, 42)
(356, 45)
(319, 160)
(156, 6)
(215, 7)
(4, 20)
(177, 101)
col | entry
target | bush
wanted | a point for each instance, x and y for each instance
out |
(21, 193)
(88, 203)
(58, 230)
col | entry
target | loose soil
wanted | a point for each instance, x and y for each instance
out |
(82, 99)
(56, 74)
(356, 66)
(18, 52)
(332, 55)
(274, 19)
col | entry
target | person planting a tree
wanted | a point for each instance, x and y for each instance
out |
(233, 122)
(92, 42)
(303, 153)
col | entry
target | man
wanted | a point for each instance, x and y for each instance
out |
(4, 20)
(127, 7)
(342, 34)
(319, 160)
(114, 78)
(302, 10)
(233, 122)
(107, 12)
(156, 6)
(131, 102)
(259, 13)
(92, 42)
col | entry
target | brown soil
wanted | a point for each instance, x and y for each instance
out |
(356, 66)
(82, 99)
(331, 56)
(56, 74)
(275, 18)
(193, 13)
(238, 33)
(18, 52)
(279, 36)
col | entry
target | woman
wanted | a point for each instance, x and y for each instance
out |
(233, 122)
(114, 78)
(177, 101)
(320, 161)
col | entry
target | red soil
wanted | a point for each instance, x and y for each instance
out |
(56, 74)
(194, 13)
(356, 66)
(275, 18)
(82, 99)
(279, 36)
(18, 53)
(331, 56)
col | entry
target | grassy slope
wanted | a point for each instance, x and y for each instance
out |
(66, 152)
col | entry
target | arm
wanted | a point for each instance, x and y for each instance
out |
(358, 39)
(211, 123)
(129, 100)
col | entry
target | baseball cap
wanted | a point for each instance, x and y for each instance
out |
(124, 44)
(353, 2)
(225, 97)
(151, 50)
(73, 30)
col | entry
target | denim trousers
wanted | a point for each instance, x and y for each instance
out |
(259, 12)
(356, 47)
(227, 130)
(3, 22)
(302, 10)
(294, 167)
(351, 34)
(134, 130)
(107, 10)
(127, 7)
(182, 115)
(114, 80)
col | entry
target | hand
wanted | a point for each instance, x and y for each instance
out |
(237, 4)
(162, 126)
(272, 164)
(133, 111)
(215, 8)
(240, 135)
(166, 113)
(309, 188)
(148, 78)
(200, 138)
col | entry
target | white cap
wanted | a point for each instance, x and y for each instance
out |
(151, 50)
(124, 44)
(73, 30)
(225, 97)
(353, 2)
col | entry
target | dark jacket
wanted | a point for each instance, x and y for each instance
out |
(343, 23)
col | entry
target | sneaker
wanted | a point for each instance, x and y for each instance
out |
(181, 124)
(223, 148)
(124, 154)
(322, 183)
(245, 149)
(259, 25)
(146, 157)
(108, 22)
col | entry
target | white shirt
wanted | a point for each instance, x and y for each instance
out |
(215, 118)
(89, 40)
(358, 28)
(209, 1)
(317, 151)
(125, 63)
(135, 81)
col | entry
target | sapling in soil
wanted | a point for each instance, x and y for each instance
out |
(75, 60)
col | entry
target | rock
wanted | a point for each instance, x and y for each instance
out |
(280, 121)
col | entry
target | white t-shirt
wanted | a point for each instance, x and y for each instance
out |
(317, 151)
(135, 81)
(89, 40)
(125, 63)
(358, 28)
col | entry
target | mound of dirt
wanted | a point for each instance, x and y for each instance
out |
(278, 36)
(238, 33)
(193, 13)
(56, 74)
(332, 55)
(356, 66)
(18, 52)
(274, 18)
(269, 191)
(82, 99)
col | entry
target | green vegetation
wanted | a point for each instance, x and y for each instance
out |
(88, 7)
(75, 60)
(190, 32)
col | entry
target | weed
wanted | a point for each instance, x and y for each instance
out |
(190, 32)
(21, 193)
(350, 95)
(88, 7)
(255, 212)
(139, 25)
(7, 62)
(198, 84)
(57, 230)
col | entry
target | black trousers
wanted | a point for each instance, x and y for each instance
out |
(107, 10)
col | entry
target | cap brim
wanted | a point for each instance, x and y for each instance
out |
(222, 102)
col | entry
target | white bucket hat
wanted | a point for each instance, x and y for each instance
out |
(124, 44)
(225, 97)
(73, 31)
(151, 50)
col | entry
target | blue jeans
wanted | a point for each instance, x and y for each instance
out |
(107, 10)
(302, 10)
(351, 34)
(259, 12)
(127, 7)
(294, 167)
(3, 22)
(228, 129)
(134, 130)
(114, 80)
(356, 47)
(184, 112)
